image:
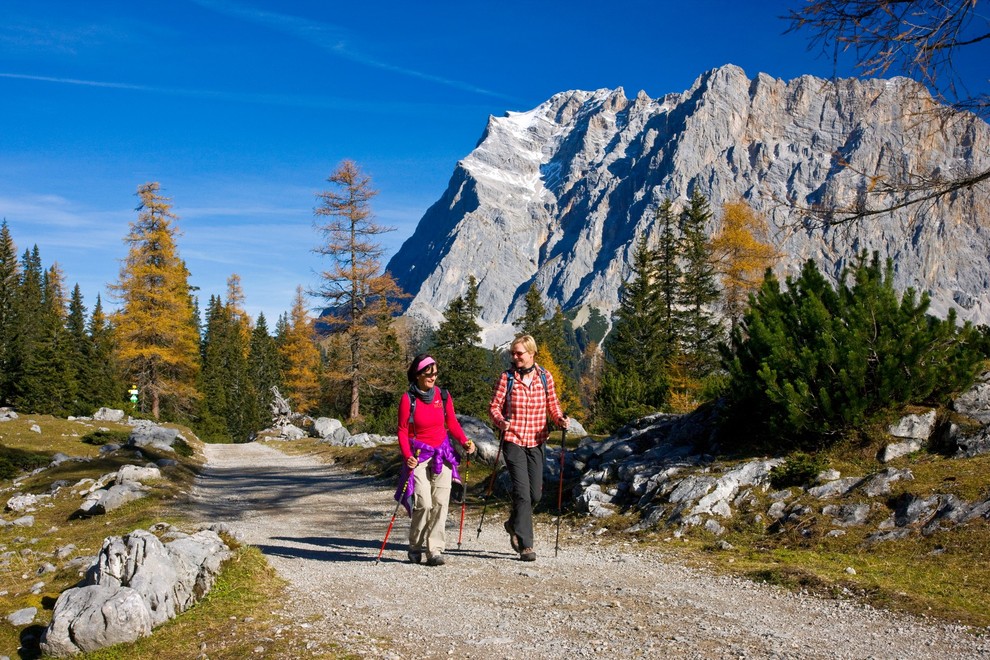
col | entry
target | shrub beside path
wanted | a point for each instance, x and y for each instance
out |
(321, 528)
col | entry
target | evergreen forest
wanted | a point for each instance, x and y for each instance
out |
(702, 321)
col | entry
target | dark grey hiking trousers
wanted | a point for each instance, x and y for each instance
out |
(525, 465)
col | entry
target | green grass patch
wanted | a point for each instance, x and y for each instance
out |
(965, 478)
(235, 620)
(944, 576)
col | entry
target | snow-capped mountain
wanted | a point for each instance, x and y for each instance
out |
(558, 195)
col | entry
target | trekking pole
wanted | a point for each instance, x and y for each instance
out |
(560, 490)
(467, 475)
(491, 482)
(391, 522)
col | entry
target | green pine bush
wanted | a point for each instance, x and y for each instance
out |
(106, 436)
(811, 362)
(800, 469)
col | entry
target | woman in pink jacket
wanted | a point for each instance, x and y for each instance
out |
(427, 426)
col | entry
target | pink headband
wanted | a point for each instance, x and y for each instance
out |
(427, 361)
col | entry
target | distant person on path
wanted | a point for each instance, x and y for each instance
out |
(427, 427)
(524, 400)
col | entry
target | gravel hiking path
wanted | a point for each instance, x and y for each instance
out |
(321, 528)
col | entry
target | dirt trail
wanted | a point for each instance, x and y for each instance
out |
(321, 528)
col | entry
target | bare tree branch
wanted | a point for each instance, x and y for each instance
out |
(920, 38)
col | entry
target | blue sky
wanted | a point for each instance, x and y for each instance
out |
(242, 108)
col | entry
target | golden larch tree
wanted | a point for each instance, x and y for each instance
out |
(156, 327)
(742, 253)
(235, 306)
(301, 358)
(356, 292)
(569, 400)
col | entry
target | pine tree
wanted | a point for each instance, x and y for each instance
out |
(701, 331)
(301, 358)
(534, 312)
(357, 294)
(634, 342)
(211, 426)
(104, 387)
(562, 343)
(281, 328)
(80, 350)
(47, 384)
(229, 399)
(534, 322)
(741, 255)
(264, 369)
(27, 327)
(9, 283)
(812, 362)
(633, 381)
(466, 367)
(668, 275)
(156, 326)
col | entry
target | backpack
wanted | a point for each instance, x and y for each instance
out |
(444, 395)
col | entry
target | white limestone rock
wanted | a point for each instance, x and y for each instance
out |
(556, 196)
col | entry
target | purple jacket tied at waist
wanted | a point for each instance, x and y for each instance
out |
(437, 457)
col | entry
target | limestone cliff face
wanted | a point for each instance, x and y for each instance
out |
(558, 195)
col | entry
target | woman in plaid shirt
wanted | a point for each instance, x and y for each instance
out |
(522, 419)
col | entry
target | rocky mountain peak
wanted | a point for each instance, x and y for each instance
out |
(557, 196)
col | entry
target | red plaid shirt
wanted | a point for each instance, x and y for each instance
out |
(525, 422)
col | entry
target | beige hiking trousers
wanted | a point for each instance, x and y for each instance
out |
(427, 530)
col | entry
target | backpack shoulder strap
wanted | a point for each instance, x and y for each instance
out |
(510, 378)
(444, 395)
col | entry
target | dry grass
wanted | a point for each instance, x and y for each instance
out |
(944, 576)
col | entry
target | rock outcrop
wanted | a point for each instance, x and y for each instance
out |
(137, 583)
(654, 467)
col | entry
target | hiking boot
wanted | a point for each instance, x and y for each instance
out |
(527, 555)
(513, 539)
(437, 560)
(415, 556)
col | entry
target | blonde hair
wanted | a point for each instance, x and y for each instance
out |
(526, 341)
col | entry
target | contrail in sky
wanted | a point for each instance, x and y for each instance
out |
(76, 81)
(270, 99)
(332, 39)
